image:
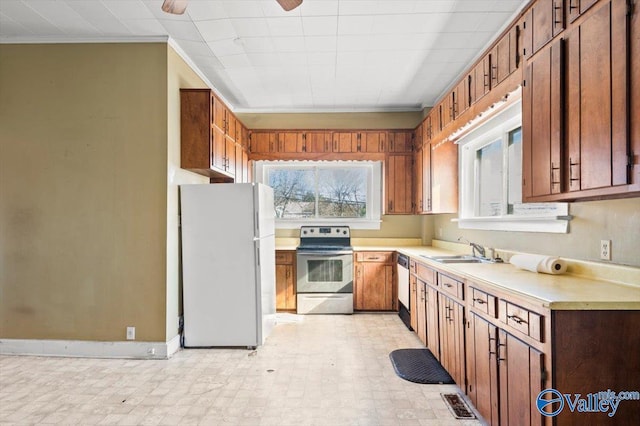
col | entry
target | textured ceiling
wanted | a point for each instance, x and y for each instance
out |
(326, 55)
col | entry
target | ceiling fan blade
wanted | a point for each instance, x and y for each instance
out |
(289, 4)
(176, 7)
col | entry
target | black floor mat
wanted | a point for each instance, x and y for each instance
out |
(419, 366)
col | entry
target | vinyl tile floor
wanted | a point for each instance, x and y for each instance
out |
(312, 370)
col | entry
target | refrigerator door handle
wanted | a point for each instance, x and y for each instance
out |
(257, 224)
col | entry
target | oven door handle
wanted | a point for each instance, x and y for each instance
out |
(324, 253)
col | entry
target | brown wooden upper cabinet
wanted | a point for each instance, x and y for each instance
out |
(224, 120)
(596, 99)
(417, 169)
(399, 187)
(444, 178)
(575, 8)
(263, 142)
(400, 141)
(204, 148)
(316, 142)
(576, 114)
(505, 56)
(544, 21)
(481, 78)
(446, 110)
(460, 97)
(345, 141)
(290, 141)
(542, 124)
(372, 141)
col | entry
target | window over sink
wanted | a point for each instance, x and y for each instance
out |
(491, 179)
(324, 192)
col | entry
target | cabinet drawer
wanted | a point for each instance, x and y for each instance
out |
(284, 257)
(426, 274)
(375, 256)
(483, 302)
(451, 286)
(521, 319)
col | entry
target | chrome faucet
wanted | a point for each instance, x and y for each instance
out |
(474, 248)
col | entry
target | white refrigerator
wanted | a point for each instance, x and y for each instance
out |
(228, 264)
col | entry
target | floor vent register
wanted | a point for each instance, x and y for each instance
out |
(458, 406)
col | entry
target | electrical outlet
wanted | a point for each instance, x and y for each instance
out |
(605, 249)
(131, 333)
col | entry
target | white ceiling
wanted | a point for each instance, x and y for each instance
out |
(326, 55)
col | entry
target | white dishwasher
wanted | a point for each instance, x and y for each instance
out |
(403, 289)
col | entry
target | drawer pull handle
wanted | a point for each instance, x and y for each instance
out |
(517, 319)
(479, 301)
(448, 285)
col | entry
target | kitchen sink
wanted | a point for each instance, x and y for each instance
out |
(463, 258)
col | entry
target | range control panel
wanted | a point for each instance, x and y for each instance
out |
(325, 232)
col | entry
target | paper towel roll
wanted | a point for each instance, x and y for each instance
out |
(539, 263)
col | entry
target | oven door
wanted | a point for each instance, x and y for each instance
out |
(324, 272)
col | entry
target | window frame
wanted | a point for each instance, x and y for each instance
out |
(374, 169)
(530, 217)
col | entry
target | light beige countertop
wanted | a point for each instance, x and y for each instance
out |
(590, 286)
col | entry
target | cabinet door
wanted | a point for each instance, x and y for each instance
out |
(501, 60)
(451, 330)
(433, 338)
(460, 98)
(230, 155)
(317, 142)
(345, 142)
(398, 181)
(482, 368)
(422, 312)
(196, 140)
(596, 113)
(246, 167)
(285, 280)
(231, 125)
(219, 114)
(446, 110)
(372, 142)
(374, 287)
(520, 370)
(541, 123)
(400, 141)
(218, 159)
(575, 8)
(417, 180)
(444, 178)
(290, 142)
(262, 142)
(413, 301)
(546, 22)
(426, 178)
(239, 173)
(481, 79)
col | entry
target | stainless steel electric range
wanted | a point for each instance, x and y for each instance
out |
(325, 270)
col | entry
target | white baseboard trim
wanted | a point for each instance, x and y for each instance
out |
(90, 349)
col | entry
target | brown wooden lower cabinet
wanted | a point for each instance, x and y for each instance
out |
(452, 355)
(520, 370)
(374, 281)
(503, 350)
(413, 301)
(285, 281)
(482, 367)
